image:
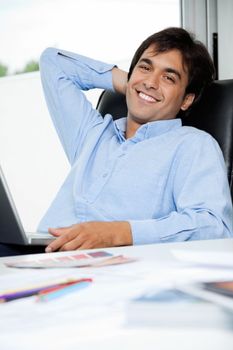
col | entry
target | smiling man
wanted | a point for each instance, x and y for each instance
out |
(156, 89)
(143, 178)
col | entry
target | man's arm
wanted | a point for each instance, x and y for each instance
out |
(203, 208)
(64, 75)
(201, 196)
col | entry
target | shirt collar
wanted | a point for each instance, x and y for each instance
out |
(147, 130)
(120, 127)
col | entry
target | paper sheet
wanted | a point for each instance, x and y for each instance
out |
(78, 260)
(209, 259)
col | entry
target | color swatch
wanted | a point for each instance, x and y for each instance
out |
(96, 259)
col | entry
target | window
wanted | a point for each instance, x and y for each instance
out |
(106, 29)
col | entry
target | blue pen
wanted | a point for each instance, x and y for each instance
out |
(61, 292)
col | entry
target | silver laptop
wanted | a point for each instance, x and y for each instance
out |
(11, 228)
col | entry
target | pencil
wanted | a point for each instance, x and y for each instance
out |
(64, 285)
(63, 291)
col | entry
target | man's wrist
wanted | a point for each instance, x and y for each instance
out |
(122, 234)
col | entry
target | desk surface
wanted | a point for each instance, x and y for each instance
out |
(97, 320)
(156, 252)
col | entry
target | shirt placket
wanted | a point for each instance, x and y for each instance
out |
(97, 187)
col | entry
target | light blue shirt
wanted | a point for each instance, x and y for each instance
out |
(168, 181)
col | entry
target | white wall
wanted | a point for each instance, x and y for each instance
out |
(31, 156)
(225, 34)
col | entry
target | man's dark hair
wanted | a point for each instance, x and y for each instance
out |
(196, 59)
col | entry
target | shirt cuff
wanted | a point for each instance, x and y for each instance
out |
(143, 232)
(159, 231)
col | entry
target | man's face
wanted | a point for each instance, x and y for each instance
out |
(156, 88)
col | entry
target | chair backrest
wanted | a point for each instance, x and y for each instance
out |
(213, 113)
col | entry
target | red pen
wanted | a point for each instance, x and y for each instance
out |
(61, 286)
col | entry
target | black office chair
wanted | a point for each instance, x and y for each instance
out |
(213, 113)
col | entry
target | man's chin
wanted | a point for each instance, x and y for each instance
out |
(140, 119)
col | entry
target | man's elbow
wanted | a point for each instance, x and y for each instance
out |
(46, 57)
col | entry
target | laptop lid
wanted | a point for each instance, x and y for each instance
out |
(11, 228)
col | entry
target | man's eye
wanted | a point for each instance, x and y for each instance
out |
(146, 68)
(169, 78)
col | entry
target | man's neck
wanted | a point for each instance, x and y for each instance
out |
(131, 128)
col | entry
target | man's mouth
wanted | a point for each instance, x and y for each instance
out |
(147, 98)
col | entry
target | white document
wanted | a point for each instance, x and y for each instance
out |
(210, 259)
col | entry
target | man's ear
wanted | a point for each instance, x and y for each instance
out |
(188, 100)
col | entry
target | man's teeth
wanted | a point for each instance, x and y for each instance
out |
(146, 97)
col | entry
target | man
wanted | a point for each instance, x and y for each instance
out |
(144, 178)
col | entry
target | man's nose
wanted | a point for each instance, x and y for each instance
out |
(152, 82)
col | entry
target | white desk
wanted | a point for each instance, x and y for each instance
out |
(97, 317)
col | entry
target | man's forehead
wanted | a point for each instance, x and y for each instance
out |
(152, 51)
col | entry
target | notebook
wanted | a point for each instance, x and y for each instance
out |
(11, 228)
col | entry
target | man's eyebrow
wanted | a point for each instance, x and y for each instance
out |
(145, 60)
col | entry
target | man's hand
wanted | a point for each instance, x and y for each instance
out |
(119, 79)
(93, 234)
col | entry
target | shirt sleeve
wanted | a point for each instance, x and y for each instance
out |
(64, 75)
(202, 199)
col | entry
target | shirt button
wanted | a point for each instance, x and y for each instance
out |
(105, 174)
